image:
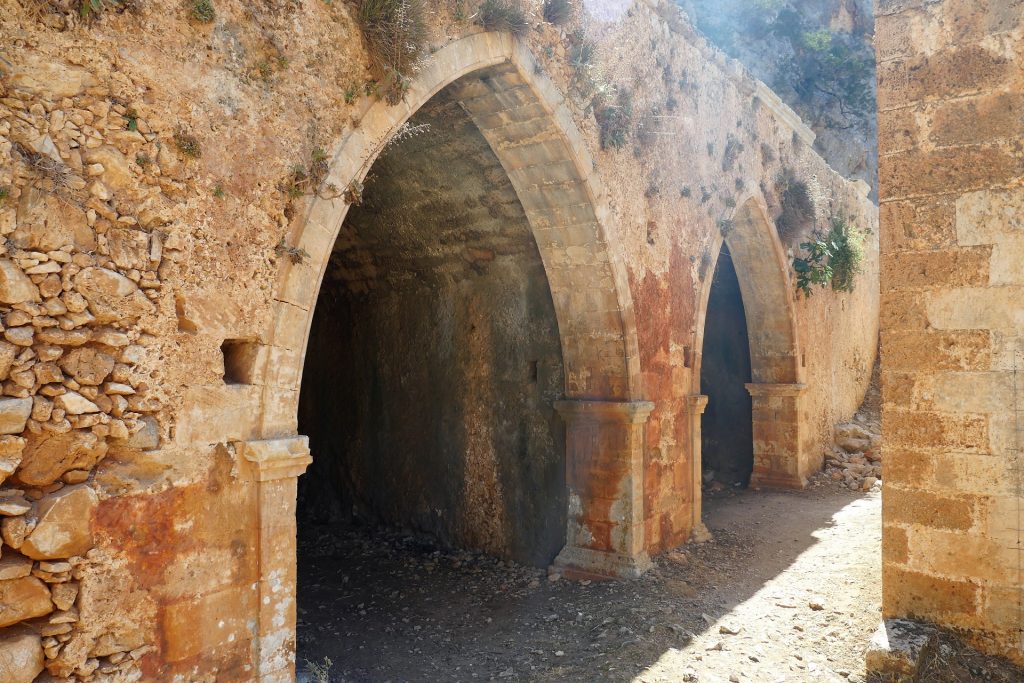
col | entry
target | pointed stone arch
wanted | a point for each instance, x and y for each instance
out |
(769, 303)
(525, 121)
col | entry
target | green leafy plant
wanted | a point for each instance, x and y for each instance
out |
(557, 12)
(5, 193)
(834, 258)
(203, 11)
(503, 15)
(218, 191)
(396, 39)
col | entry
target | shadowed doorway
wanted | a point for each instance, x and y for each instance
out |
(727, 438)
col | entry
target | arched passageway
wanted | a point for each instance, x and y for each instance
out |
(434, 360)
(747, 329)
(727, 444)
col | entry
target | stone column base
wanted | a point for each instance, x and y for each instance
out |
(598, 565)
(779, 460)
(604, 442)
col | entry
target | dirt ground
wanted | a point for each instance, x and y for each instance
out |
(788, 590)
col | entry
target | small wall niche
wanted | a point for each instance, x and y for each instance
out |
(239, 360)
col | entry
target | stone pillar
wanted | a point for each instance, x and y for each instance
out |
(604, 476)
(273, 467)
(779, 460)
(695, 405)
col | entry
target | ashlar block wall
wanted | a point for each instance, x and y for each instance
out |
(951, 119)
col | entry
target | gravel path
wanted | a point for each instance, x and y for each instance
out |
(788, 590)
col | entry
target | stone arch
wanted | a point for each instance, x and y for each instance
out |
(769, 301)
(525, 121)
(521, 115)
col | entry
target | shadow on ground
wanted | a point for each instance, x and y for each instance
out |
(382, 606)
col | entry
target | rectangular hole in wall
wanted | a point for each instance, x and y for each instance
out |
(533, 371)
(239, 360)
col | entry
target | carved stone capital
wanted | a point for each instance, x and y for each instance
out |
(272, 459)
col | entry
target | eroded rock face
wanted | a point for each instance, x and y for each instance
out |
(64, 527)
(23, 598)
(50, 455)
(21, 656)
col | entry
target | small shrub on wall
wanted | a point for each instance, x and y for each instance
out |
(834, 258)
(396, 39)
(503, 15)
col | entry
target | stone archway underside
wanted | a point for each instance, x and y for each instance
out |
(521, 116)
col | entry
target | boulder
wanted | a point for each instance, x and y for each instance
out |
(65, 524)
(64, 594)
(15, 286)
(14, 413)
(88, 366)
(21, 655)
(128, 248)
(111, 296)
(24, 598)
(48, 456)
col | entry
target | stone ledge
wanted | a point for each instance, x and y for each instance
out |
(624, 411)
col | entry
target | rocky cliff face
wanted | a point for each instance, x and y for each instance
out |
(818, 55)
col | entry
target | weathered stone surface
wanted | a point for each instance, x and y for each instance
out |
(12, 507)
(145, 438)
(116, 171)
(21, 656)
(111, 296)
(129, 248)
(87, 365)
(64, 594)
(22, 599)
(73, 403)
(39, 76)
(15, 529)
(48, 456)
(46, 223)
(7, 354)
(14, 413)
(14, 565)
(64, 527)
(15, 286)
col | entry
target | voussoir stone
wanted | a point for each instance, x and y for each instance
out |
(14, 413)
(22, 599)
(21, 655)
(48, 456)
(15, 286)
(65, 524)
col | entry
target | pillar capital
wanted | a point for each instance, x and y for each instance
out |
(272, 459)
(696, 403)
(635, 412)
(757, 390)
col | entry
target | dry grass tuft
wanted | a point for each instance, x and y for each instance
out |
(503, 15)
(396, 39)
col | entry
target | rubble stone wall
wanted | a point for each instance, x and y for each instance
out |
(161, 267)
(950, 96)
